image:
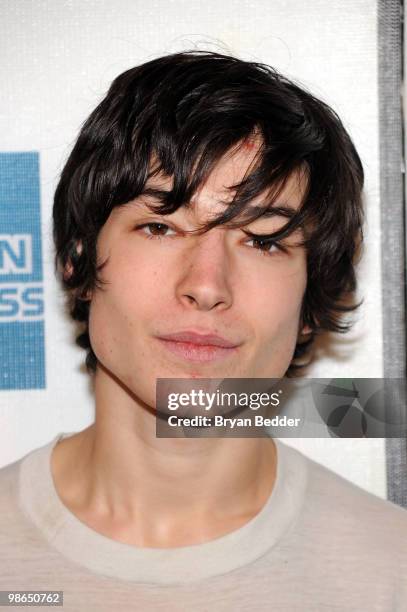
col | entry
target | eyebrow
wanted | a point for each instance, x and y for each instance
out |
(156, 193)
(282, 210)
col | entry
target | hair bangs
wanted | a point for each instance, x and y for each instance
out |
(264, 180)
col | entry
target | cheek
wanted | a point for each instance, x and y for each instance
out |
(135, 284)
(278, 301)
(125, 305)
(276, 310)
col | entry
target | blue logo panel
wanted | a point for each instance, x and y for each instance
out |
(22, 343)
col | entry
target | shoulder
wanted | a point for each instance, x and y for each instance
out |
(348, 516)
(12, 517)
(9, 476)
(13, 503)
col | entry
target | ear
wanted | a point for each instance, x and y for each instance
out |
(68, 266)
(69, 269)
(306, 329)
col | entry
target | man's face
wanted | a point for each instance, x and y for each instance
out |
(163, 281)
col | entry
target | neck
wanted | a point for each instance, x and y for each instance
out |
(159, 492)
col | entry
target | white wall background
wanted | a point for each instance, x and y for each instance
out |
(58, 59)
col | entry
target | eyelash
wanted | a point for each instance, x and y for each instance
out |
(259, 237)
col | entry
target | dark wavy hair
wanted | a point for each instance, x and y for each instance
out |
(185, 111)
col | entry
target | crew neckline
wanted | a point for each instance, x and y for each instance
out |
(166, 566)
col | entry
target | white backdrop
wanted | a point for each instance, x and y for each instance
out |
(58, 59)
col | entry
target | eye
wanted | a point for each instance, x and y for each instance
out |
(155, 230)
(265, 244)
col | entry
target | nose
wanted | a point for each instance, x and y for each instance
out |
(204, 283)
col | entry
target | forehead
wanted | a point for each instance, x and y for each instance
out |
(216, 191)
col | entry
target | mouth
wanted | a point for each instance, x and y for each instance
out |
(201, 348)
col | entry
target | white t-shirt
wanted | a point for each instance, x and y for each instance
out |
(319, 543)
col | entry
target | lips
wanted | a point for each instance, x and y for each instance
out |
(200, 339)
(192, 346)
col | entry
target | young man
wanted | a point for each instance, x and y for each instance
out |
(206, 226)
